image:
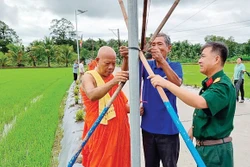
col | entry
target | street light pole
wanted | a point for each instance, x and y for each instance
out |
(77, 12)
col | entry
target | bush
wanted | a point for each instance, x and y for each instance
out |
(76, 99)
(80, 115)
(76, 91)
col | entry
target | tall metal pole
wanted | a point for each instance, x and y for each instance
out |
(77, 46)
(134, 88)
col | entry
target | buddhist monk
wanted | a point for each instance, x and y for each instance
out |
(109, 145)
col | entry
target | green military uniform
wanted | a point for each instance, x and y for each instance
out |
(216, 122)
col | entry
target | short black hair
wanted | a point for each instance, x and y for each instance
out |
(218, 47)
(240, 58)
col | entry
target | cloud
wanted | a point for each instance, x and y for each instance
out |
(191, 20)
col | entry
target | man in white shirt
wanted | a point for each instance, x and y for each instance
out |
(81, 69)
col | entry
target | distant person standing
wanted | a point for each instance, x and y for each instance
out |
(92, 64)
(239, 70)
(75, 70)
(81, 69)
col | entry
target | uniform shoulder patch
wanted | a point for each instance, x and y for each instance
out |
(216, 80)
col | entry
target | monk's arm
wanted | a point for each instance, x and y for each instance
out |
(95, 93)
(124, 54)
(92, 91)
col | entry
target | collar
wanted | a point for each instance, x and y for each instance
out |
(208, 81)
(154, 63)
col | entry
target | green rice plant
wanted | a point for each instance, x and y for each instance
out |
(35, 99)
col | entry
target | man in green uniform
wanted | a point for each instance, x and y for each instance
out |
(214, 107)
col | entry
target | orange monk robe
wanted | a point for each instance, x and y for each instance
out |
(92, 65)
(109, 145)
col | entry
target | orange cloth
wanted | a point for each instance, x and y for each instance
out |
(92, 65)
(109, 145)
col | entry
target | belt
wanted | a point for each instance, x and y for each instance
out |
(213, 142)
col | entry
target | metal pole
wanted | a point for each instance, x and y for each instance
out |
(134, 88)
(77, 46)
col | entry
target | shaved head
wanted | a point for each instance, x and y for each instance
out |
(106, 59)
(106, 51)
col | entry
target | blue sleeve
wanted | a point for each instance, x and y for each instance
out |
(176, 66)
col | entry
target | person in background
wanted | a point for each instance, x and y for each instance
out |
(239, 70)
(81, 69)
(75, 70)
(92, 64)
(214, 107)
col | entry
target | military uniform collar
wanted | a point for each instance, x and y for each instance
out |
(208, 81)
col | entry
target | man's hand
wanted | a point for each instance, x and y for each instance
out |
(141, 111)
(121, 76)
(156, 54)
(157, 80)
(124, 51)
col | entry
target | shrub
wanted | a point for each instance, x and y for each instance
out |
(80, 115)
(76, 99)
(76, 91)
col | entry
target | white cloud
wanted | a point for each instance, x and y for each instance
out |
(31, 19)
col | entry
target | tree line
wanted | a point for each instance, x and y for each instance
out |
(59, 49)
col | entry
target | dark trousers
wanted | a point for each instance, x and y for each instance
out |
(242, 93)
(75, 76)
(160, 147)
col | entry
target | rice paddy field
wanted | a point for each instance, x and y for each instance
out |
(29, 114)
(193, 77)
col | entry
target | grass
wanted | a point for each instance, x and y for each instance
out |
(32, 97)
(192, 76)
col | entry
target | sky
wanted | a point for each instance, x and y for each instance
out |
(192, 20)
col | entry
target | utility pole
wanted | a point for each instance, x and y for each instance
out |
(119, 41)
(77, 12)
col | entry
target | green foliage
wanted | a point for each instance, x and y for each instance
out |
(80, 115)
(33, 97)
(7, 36)
(76, 91)
(76, 99)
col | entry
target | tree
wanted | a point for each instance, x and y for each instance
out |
(7, 36)
(35, 52)
(62, 32)
(3, 59)
(65, 53)
(49, 48)
(15, 54)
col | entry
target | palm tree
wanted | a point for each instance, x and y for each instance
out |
(15, 53)
(3, 59)
(65, 53)
(49, 48)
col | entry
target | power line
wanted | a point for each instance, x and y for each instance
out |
(193, 15)
(218, 25)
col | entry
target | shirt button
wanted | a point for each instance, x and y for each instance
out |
(194, 114)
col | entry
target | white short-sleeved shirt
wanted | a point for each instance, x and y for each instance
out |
(81, 68)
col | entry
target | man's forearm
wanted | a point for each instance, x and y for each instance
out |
(124, 66)
(171, 75)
